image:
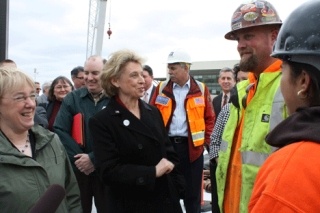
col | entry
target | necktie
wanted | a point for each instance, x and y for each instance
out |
(145, 97)
(225, 100)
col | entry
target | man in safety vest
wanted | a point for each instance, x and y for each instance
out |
(243, 149)
(185, 105)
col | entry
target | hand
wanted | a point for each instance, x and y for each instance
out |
(164, 167)
(83, 163)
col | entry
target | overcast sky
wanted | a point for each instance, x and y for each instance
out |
(50, 36)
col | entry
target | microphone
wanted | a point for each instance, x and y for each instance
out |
(50, 200)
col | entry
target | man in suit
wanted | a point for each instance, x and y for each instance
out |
(226, 81)
(148, 85)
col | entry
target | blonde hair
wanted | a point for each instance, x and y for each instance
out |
(12, 78)
(114, 68)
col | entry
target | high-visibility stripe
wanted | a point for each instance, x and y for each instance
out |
(162, 85)
(253, 158)
(277, 109)
(223, 146)
(198, 135)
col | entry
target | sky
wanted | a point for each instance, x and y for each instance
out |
(48, 38)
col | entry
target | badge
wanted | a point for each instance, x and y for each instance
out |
(126, 122)
(265, 118)
(162, 100)
(199, 101)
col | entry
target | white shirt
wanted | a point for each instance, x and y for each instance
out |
(179, 126)
(147, 94)
(228, 98)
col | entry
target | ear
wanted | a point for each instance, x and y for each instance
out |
(304, 81)
(114, 82)
(274, 34)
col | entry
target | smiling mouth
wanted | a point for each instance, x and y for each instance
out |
(27, 114)
(242, 54)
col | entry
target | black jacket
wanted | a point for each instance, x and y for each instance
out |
(127, 149)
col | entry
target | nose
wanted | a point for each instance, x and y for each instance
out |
(141, 80)
(30, 101)
(241, 44)
(89, 76)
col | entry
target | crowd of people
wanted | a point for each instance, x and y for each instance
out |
(141, 146)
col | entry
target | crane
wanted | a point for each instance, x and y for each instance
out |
(96, 22)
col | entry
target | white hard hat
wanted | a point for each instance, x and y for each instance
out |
(177, 56)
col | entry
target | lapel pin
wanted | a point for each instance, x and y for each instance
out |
(126, 122)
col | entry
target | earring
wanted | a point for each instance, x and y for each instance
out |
(300, 95)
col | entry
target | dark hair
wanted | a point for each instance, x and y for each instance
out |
(76, 70)
(227, 69)
(236, 70)
(9, 61)
(51, 96)
(314, 90)
(148, 69)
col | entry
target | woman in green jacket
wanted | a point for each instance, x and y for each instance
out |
(31, 157)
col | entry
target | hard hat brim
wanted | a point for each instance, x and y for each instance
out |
(231, 34)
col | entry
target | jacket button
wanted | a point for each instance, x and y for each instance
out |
(140, 146)
(140, 180)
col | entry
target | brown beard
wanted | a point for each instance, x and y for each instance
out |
(250, 64)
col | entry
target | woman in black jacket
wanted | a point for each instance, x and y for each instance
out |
(133, 154)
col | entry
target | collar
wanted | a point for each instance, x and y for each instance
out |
(148, 91)
(186, 84)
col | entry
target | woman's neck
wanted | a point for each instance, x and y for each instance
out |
(16, 138)
(132, 104)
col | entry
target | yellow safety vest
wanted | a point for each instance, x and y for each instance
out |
(265, 111)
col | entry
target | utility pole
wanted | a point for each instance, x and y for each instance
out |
(35, 74)
(4, 28)
(96, 21)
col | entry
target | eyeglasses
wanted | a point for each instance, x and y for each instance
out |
(23, 98)
(60, 87)
(81, 78)
(244, 99)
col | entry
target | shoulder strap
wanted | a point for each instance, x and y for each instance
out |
(162, 84)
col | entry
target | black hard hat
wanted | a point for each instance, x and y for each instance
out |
(299, 37)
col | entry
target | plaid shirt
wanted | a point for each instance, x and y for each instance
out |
(216, 136)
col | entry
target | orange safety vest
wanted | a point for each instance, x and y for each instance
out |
(195, 107)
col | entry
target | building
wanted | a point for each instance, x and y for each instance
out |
(208, 73)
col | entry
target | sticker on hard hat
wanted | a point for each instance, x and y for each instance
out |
(236, 26)
(268, 19)
(267, 12)
(250, 16)
(248, 8)
(236, 16)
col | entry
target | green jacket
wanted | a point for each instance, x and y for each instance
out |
(264, 112)
(78, 101)
(23, 180)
